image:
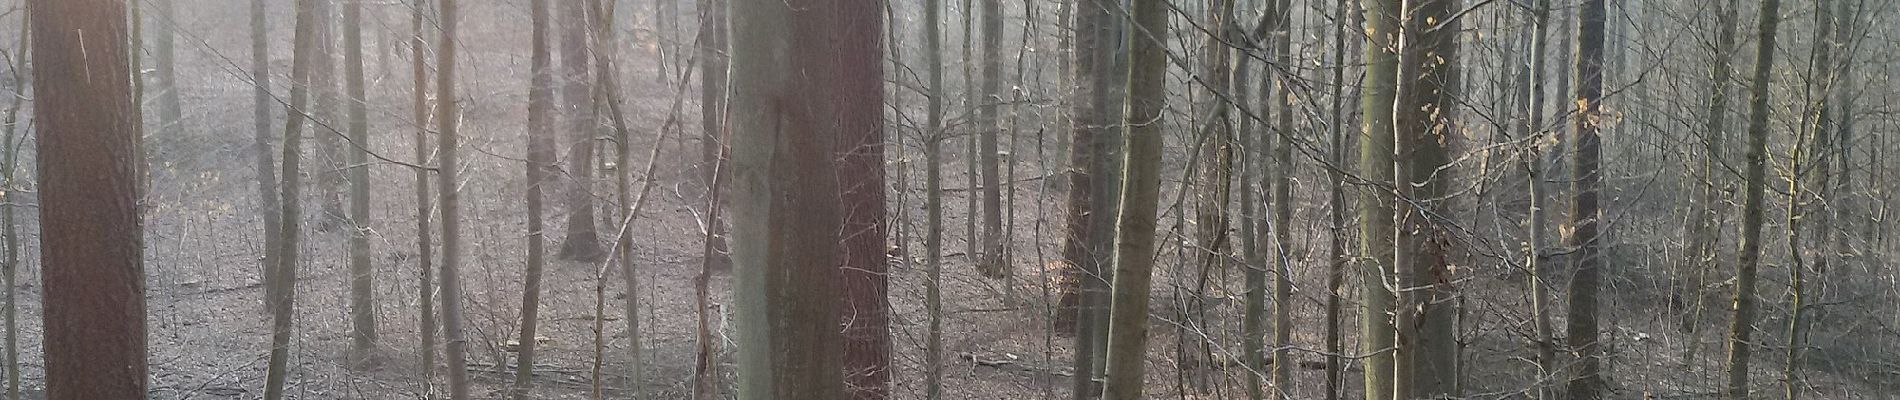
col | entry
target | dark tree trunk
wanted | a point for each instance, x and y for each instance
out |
(94, 277)
(855, 77)
(577, 95)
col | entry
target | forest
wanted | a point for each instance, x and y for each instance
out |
(949, 199)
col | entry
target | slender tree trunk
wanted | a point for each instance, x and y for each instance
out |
(93, 280)
(266, 166)
(583, 236)
(994, 264)
(1376, 205)
(1710, 207)
(786, 211)
(425, 262)
(1282, 228)
(363, 335)
(1135, 241)
(8, 214)
(1742, 327)
(164, 63)
(540, 161)
(1533, 130)
(857, 76)
(447, 115)
(1337, 257)
(283, 309)
(712, 109)
(1254, 301)
(933, 200)
(1093, 227)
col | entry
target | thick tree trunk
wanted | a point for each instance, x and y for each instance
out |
(1425, 363)
(283, 293)
(786, 211)
(856, 76)
(1742, 326)
(540, 160)
(1135, 241)
(93, 280)
(363, 335)
(1282, 224)
(577, 95)
(1586, 217)
(994, 264)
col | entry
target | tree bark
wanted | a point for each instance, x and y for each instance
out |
(1376, 205)
(856, 75)
(1742, 325)
(1425, 363)
(1135, 242)
(577, 94)
(1586, 216)
(425, 262)
(994, 263)
(540, 160)
(447, 116)
(786, 209)
(93, 280)
(933, 201)
(283, 309)
(363, 335)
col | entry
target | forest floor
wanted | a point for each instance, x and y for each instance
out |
(209, 334)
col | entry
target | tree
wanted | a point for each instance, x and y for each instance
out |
(583, 237)
(1337, 258)
(1376, 205)
(856, 75)
(786, 213)
(363, 335)
(1425, 351)
(284, 291)
(540, 160)
(425, 263)
(92, 244)
(447, 114)
(1282, 175)
(1586, 217)
(1742, 326)
(261, 116)
(993, 262)
(1709, 205)
(712, 111)
(1091, 190)
(1135, 241)
(1214, 180)
(164, 63)
(933, 200)
(1532, 130)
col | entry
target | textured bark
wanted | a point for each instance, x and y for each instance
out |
(855, 76)
(1376, 203)
(1742, 325)
(425, 262)
(1135, 241)
(283, 293)
(1586, 216)
(786, 209)
(455, 343)
(363, 335)
(540, 159)
(1282, 225)
(577, 95)
(1091, 209)
(91, 237)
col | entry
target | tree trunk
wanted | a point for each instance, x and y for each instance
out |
(786, 209)
(1425, 363)
(856, 75)
(540, 160)
(1531, 85)
(283, 293)
(933, 201)
(1282, 224)
(1742, 327)
(262, 103)
(323, 109)
(1821, 131)
(993, 264)
(712, 110)
(425, 263)
(363, 335)
(1586, 216)
(1710, 205)
(164, 63)
(1135, 241)
(1337, 258)
(94, 290)
(577, 94)
(1376, 205)
(447, 114)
